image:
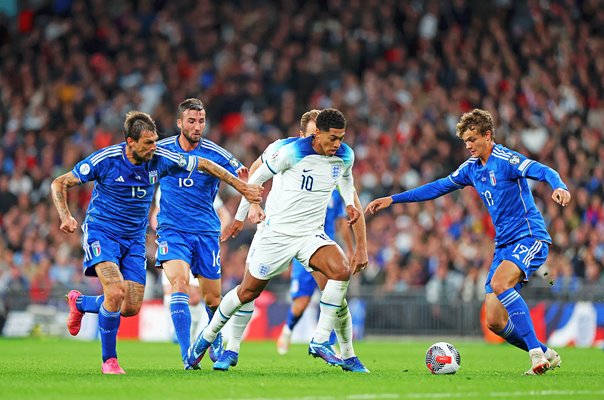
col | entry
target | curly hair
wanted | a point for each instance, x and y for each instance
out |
(330, 118)
(477, 120)
(136, 122)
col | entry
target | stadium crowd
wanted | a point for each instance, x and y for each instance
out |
(402, 73)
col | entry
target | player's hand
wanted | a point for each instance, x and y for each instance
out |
(70, 225)
(256, 214)
(353, 214)
(232, 230)
(253, 193)
(378, 204)
(359, 260)
(561, 197)
(243, 173)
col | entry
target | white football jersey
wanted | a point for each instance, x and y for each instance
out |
(272, 198)
(307, 180)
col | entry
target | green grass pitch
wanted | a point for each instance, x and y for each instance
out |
(67, 369)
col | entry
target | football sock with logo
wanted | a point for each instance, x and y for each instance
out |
(90, 304)
(109, 322)
(239, 322)
(343, 329)
(331, 301)
(181, 318)
(510, 333)
(519, 314)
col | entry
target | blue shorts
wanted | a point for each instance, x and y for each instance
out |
(303, 283)
(127, 253)
(527, 253)
(201, 252)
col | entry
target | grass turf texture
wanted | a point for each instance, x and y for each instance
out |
(67, 369)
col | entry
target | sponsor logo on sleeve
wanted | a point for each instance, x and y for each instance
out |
(514, 160)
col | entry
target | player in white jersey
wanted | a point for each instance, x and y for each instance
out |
(311, 168)
(242, 317)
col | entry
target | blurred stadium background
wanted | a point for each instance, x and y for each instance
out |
(401, 71)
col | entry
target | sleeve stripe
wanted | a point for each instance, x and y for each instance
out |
(115, 153)
(501, 157)
(167, 154)
(107, 150)
(524, 166)
(455, 183)
(269, 167)
(192, 163)
(501, 152)
(217, 149)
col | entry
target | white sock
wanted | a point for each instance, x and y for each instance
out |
(343, 328)
(239, 322)
(197, 322)
(228, 306)
(331, 301)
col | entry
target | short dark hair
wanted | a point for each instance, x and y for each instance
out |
(136, 122)
(190, 104)
(330, 118)
(477, 120)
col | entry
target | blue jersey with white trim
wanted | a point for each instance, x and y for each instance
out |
(503, 188)
(189, 196)
(123, 191)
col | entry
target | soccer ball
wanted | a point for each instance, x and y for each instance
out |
(443, 358)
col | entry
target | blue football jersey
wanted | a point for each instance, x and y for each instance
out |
(123, 191)
(504, 190)
(335, 210)
(189, 196)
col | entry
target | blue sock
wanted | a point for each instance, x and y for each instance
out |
(109, 322)
(520, 317)
(90, 304)
(510, 334)
(181, 318)
(292, 320)
(210, 312)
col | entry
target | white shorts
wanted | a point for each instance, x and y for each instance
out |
(274, 252)
(255, 240)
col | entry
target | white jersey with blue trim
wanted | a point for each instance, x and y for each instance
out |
(123, 191)
(307, 181)
(189, 196)
(273, 196)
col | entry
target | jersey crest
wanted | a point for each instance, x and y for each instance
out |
(336, 170)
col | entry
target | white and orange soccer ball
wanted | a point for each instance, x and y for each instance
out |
(443, 358)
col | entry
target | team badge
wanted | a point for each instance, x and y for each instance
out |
(492, 177)
(152, 177)
(336, 170)
(163, 248)
(264, 269)
(514, 160)
(84, 169)
(96, 248)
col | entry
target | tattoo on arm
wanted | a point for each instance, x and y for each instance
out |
(59, 193)
(219, 172)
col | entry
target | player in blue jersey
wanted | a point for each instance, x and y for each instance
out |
(309, 170)
(194, 247)
(500, 175)
(116, 220)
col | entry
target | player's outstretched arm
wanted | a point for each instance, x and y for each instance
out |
(378, 204)
(253, 193)
(58, 189)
